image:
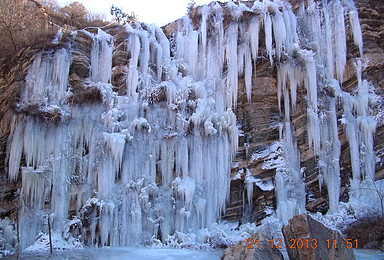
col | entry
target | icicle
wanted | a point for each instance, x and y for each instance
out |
(328, 31)
(279, 32)
(291, 34)
(248, 74)
(101, 57)
(249, 184)
(245, 63)
(329, 163)
(253, 32)
(340, 39)
(192, 51)
(268, 36)
(47, 79)
(312, 110)
(231, 58)
(144, 59)
(204, 15)
(15, 152)
(356, 30)
(133, 47)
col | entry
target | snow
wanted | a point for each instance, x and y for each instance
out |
(268, 151)
(58, 243)
(8, 237)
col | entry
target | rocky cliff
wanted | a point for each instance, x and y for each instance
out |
(259, 117)
(258, 120)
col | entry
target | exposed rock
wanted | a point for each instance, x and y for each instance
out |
(83, 93)
(257, 246)
(368, 232)
(80, 64)
(372, 245)
(318, 240)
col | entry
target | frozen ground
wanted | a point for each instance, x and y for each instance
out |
(138, 253)
(132, 253)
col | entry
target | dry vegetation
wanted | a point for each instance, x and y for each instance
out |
(32, 23)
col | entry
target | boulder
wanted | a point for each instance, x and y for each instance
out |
(306, 238)
(368, 231)
(257, 246)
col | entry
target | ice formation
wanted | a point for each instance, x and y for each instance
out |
(155, 163)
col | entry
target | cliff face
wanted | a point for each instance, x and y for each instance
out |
(261, 121)
(258, 120)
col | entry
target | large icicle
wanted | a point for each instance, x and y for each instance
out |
(231, 58)
(329, 162)
(101, 57)
(356, 29)
(340, 42)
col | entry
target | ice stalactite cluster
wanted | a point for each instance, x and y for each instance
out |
(135, 167)
(156, 161)
(322, 53)
(310, 51)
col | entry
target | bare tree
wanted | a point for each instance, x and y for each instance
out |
(22, 23)
(50, 5)
(191, 5)
(12, 17)
(122, 17)
(75, 13)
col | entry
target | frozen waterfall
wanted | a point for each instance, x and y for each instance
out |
(156, 161)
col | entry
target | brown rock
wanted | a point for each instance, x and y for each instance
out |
(318, 240)
(80, 64)
(369, 232)
(255, 247)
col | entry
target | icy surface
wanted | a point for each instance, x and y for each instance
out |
(135, 253)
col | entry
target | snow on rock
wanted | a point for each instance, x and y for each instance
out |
(58, 243)
(8, 237)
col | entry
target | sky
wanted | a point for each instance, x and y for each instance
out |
(160, 12)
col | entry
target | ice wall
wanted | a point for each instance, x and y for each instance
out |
(133, 168)
(156, 161)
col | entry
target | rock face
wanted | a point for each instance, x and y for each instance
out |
(369, 233)
(258, 120)
(306, 238)
(257, 247)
